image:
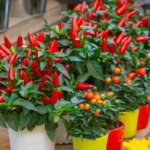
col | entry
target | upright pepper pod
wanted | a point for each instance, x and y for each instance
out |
(54, 97)
(2, 54)
(119, 3)
(55, 80)
(37, 73)
(80, 21)
(7, 42)
(37, 57)
(84, 86)
(129, 39)
(60, 95)
(105, 19)
(77, 7)
(44, 79)
(121, 10)
(124, 47)
(61, 24)
(120, 37)
(41, 86)
(41, 37)
(130, 14)
(20, 41)
(122, 22)
(89, 17)
(83, 7)
(112, 49)
(138, 24)
(49, 73)
(33, 66)
(125, 2)
(11, 73)
(104, 45)
(113, 38)
(105, 34)
(29, 53)
(95, 4)
(25, 78)
(53, 46)
(46, 100)
(25, 62)
(32, 41)
(12, 59)
(5, 50)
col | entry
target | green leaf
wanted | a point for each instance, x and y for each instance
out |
(2, 120)
(24, 120)
(50, 108)
(12, 119)
(12, 98)
(43, 65)
(25, 104)
(64, 42)
(81, 137)
(66, 88)
(95, 69)
(4, 75)
(41, 121)
(75, 100)
(42, 110)
(6, 98)
(60, 54)
(42, 45)
(55, 118)
(63, 70)
(66, 124)
(83, 77)
(75, 58)
(5, 60)
(26, 111)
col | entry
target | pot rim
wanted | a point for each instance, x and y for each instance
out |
(145, 105)
(122, 126)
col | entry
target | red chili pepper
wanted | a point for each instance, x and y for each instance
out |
(89, 17)
(61, 24)
(105, 34)
(9, 90)
(124, 39)
(49, 73)
(33, 66)
(7, 42)
(44, 79)
(80, 21)
(11, 73)
(1, 99)
(38, 73)
(57, 60)
(74, 23)
(121, 10)
(2, 89)
(120, 37)
(20, 72)
(37, 35)
(2, 54)
(1, 79)
(54, 97)
(119, 3)
(113, 38)
(25, 78)
(141, 4)
(12, 59)
(32, 41)
(53, 46)
(55, 80)
(135, 49)
(25, 62)
(29, 53)
(129, 39)
(125, 2)
(138, 24)
(19, 41)
(95, 4)
(105, 19)
(48, 63)
(112, 49)
(104, 45)
(130, 14)
(142, 38)
(37, 51)
(97, 9)
(41, 37)
(60, 95)
(145, 22)
(124, 47)
(83, 7)
(5, 50)
(122, 22)
(46, 100)
(41, 86)
(84, 86)
(77, 7)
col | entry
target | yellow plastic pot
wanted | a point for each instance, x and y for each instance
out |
(130, 120)
(98, 144)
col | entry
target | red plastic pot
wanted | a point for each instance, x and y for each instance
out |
(143, 117)
(115, 138)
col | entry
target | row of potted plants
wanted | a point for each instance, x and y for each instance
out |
(102, 48)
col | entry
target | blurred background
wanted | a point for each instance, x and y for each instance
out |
(18, 17)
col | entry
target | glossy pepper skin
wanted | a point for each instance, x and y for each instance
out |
(20, 41)
(135, 48)
(104, 45)
(61, 24)
(2, 89)
(77, 7)
(54, 97)
(119, 3)
(41, 37)
(60, 95)
(84, 86)
(122, 22)
(130, 14)
(12, 59)
(80, 21)
(1, 99)
(44, 79)
(2, 54)
(46, 100)
(142, 38)
(49, 73)
(112, 49)
(83, 7)
(138, 24)
(53, 46)
(38, 73)
(32, 41)
(89, 17)
(121, 10)
(7, 42)
(5, 50)
(120, 37)
(123, 48)
(41, 86)
(9, 90)
(33, 66)
(24, 62)
(11, 74)
(55, 80)
(25, 78)
(29, 53)
(37, 57)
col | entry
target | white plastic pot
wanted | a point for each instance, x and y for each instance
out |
(35, 140)
(61, 133)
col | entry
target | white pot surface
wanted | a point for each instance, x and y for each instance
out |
(35, 140)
